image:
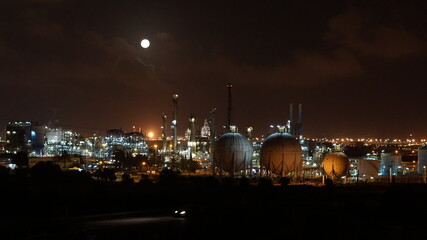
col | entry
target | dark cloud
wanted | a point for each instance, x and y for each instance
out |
(83, 59)
(355, 31)
(306, 69)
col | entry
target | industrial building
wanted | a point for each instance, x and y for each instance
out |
(284, 153)
(25, 136)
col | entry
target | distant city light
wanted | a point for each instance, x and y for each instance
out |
(150, 134)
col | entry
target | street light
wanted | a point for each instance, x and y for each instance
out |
(424, 174)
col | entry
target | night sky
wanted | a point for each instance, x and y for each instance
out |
(358, 67)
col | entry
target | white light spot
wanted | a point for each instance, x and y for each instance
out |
(145, 43)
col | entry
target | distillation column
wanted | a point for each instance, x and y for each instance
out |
(164, 132)
(229, 123)
(175, 120)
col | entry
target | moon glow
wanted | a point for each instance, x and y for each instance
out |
(145, 43)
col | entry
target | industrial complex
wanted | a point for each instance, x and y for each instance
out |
(285, 153)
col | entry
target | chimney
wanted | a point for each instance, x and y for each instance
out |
(229, 87)
(299, 120)
(175, 120)
(164, 132)
(291, 119)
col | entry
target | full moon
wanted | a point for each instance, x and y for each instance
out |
(145, 43)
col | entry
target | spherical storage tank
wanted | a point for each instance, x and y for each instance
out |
(281, 154)
(422, 159)
(336, 165)
(233, 152)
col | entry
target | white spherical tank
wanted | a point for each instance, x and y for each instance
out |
(281, 154)
(233, 152)
(422, 159)
(336, 165)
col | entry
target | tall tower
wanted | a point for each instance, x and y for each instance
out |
(212, 137)
(291, 119)
(175, 120)
(164, 132)
(192, 138)
(299, 121)
(192, 129)
(229, 87)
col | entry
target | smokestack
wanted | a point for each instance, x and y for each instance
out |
(164, 132)
(175, 120)
(229, 86)
(212, 136)
(291, 119)
(192, 129)
(299, 120)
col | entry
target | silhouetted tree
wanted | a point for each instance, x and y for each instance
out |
(329, 183)
(22, 174)
(184, 164)
(64, 159)
(106, 174)
(20, 159)
(211, 181)
(127, 178)
(243, 182)
(145, 180)
(228, 181)
(193, 166)
(137, 160)
(77, 177)
(168, 176)
(4, 174)
(284, 181)
(265, 182)
(45, 172)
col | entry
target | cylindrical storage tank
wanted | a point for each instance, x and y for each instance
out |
(336, 164)
(281, 154)
(422, 159)
(368, 168)
(390, 162)
(233, 152)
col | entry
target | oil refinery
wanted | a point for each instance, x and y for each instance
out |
(285, 153)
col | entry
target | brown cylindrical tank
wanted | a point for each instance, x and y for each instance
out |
(336, 164)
